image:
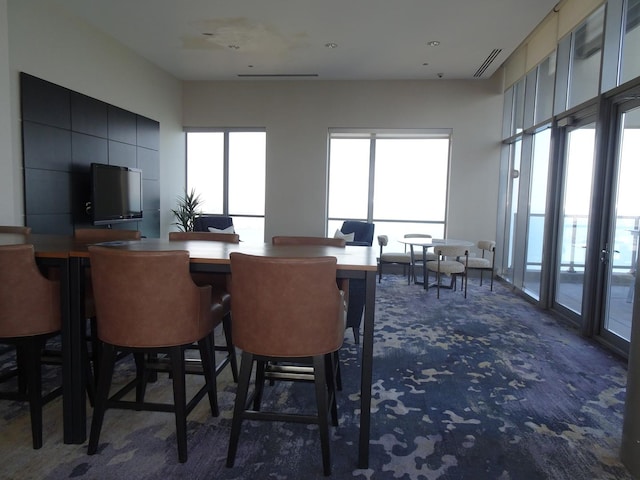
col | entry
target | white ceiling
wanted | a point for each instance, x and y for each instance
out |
(376, 39)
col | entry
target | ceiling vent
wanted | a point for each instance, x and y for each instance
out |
(276, 75)
(489, 60)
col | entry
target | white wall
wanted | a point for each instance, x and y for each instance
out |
(46, 42)
(9, 173)
(297, 116)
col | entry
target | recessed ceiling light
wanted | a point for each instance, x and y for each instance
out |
(331, 45)
(433, 43)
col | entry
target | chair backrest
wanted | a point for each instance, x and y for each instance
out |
(486, 245)
(15, 229)
(363, 232)
(218, 222)
(29, 303)
(286, 307)
(97, 235)
(205, 236)
(452, 250)
(296, 240)
(147, 299)
(417, 235)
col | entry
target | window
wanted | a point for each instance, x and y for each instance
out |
(584, 73)
(227, 169)
(379, 177)
(629, 63)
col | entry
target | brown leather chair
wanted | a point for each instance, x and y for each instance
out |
(15, 229)
(29, 314)
(220, 291)
(297, 314)
(146, 302)
(343, 283)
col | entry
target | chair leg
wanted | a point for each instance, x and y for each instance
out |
(321, 399)
(331, 374)
(246, 365)
(179, 400)
(337, 370)
(141, 377)
(32, 349)
(261, 365)
(226, 327)
(208, 368)
(107, 361)
(465, 280)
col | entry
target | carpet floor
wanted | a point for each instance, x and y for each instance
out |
(483, 388)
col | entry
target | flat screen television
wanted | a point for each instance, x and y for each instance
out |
(116, 194)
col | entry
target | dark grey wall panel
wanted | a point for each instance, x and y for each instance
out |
(55, 224)
(63, 133)
(150, 195)
(87, 149)
(148, 133)
(46, 147)
(149, 162)
(89, 115)
(122, 155)
(44, 102)
(150, 224)
(122, 125)
(47, 192)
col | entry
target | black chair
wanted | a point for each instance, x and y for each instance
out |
(363, 232)
(220, 223)
(363, 236)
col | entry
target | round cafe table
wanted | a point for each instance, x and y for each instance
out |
(426, 243)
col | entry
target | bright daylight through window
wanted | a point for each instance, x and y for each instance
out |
(398, 181)
(217, 166)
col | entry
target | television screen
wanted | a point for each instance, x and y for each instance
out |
(116, 194)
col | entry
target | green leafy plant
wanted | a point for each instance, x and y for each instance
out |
(187, 210)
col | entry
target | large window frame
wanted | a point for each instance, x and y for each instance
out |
(212, 157)
(366, 196)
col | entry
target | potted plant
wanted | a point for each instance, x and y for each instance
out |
(187, 210)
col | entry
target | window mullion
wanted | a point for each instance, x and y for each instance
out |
(225, 170)
(372, 169)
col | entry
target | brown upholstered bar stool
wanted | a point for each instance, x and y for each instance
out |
(343, 285)
(220, 291)
(29, 314)
(90, 236)
(146, 302)
(286, 309)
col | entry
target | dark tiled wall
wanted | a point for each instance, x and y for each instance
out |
(63, 132)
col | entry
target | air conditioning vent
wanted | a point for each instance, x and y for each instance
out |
(489, 60)
(276, 75)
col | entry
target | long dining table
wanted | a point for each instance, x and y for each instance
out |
(72, 257)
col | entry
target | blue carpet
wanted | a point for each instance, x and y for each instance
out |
(482, 388)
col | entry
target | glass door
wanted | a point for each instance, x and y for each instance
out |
(621, 252)
(512, 216)
(574, 216)
(537, 212)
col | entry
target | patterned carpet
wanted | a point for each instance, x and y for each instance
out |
(482, 388)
